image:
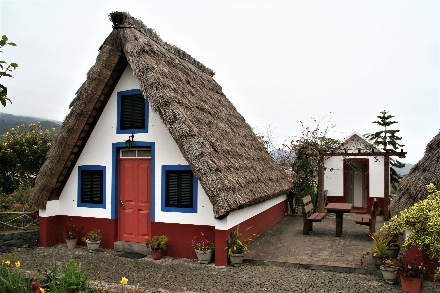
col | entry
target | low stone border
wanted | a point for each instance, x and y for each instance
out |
(10, 241)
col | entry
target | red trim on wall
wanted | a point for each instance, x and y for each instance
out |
(180, 236)
(259, 224)
(51, 229)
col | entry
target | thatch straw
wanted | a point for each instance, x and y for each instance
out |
(412, 188)
(231, 164)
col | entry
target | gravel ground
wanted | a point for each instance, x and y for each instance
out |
(184, 275)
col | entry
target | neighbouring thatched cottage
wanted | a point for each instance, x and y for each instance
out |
(357, 173)
(152, 146)
(412, 188)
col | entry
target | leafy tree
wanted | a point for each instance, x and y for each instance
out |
(5, 69)
(22, 153)
(306, 162)
(387, 139)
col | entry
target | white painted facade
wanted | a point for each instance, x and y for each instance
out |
(98, 151)
(334, 175)
(369, 180)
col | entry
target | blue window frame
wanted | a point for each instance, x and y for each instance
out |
(91, 186)
(132, 112)
(179, 189)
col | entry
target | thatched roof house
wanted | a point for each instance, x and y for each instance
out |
(413, 187)
(232, 166)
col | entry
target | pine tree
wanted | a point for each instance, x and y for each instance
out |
(387, 139)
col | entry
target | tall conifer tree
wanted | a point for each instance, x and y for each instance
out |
(388, 139)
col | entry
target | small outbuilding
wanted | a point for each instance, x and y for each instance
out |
(152, 146)
(357, 173)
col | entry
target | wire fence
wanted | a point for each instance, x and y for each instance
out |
(10, 221)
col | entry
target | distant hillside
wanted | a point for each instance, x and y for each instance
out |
(8, 121)
(404, 170)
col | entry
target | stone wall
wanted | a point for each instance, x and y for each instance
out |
(18, 239)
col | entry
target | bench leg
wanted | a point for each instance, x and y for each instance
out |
(339, 223)
(310, 226)
(372, 226)
(306, 228)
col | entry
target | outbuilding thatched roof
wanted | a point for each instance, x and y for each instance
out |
(412, 188)
(232, 166)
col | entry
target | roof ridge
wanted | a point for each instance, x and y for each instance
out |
(122, 20)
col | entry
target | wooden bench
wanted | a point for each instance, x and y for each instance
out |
(308, 215)
(369, 220)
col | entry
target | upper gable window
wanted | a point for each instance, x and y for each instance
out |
(132, 112)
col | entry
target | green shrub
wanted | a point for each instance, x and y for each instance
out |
(423, 220)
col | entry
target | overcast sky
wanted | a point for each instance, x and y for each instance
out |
(279, 62)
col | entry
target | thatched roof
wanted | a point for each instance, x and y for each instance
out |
(412, 188)
(232, 166)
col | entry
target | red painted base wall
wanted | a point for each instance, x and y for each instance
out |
(431, 264)
(51, 229)
(180, 236)
(259, 224)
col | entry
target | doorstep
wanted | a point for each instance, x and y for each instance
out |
(125, 246)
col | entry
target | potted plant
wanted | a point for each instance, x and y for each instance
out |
(411, 273)
(203, 248)
(157, 245)
(393, 247)
(237, 245)
(71, 233)
(93, 239)
(380, 247)
(389, 270)
(421, 219)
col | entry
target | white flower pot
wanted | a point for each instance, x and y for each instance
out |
(236, 259)
(204, 257)
(93, 245)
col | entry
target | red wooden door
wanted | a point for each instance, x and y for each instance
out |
(134, 221)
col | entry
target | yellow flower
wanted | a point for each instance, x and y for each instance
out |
(7, 262)
(124, 281)
(41, 290)
(17, 264)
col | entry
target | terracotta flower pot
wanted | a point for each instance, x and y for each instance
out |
(411, 285)
(156, 254)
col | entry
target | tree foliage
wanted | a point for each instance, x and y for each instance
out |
(5, 69)
(387, 139)
(22, 153)
(306, 160)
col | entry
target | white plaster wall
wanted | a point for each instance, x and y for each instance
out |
(334, 180)
(98, 151)
(334, 176)
(376, 176)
